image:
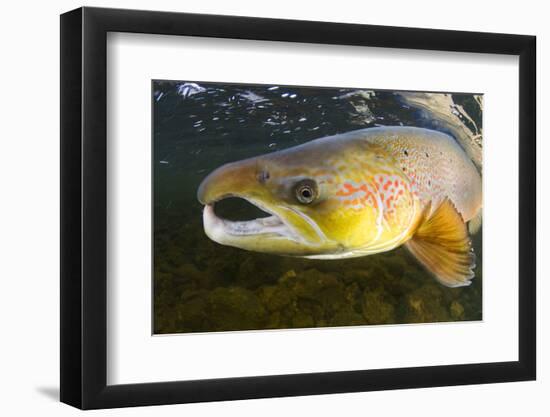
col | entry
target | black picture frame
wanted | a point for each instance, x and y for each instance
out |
(84, 207)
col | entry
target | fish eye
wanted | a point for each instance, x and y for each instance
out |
(306, 191)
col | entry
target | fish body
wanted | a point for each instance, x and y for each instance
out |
(354, 194)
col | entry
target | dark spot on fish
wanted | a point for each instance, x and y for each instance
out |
(427, 156)
(406, 153)
(404, 169)
(429, 183)
(263, 176)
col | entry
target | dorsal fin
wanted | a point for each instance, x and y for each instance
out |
(442, 244)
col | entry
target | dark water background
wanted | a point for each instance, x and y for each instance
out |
(202, 286)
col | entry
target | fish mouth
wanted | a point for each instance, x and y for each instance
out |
(226, 231)
(285, 231)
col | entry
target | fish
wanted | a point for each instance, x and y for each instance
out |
(355, 194)
(444, 109)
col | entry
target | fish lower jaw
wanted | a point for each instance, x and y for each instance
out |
(229, 232)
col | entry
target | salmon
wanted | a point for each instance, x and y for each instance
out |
(355, 194)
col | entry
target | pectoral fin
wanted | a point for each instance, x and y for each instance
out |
(442, 244)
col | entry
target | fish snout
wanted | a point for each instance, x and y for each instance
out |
(233, 179)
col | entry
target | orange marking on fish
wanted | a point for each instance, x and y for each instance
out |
(372, 200)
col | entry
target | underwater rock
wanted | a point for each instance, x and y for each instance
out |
(165, 322)
(188, 276)
(165, 293)
(375, 308)
(191, 315)
(457, 311)
(378, 276)
(275, 298)
(396, 265)
(248, 274)
(162, 279)
(347, 317)
(353, 296)
(424, 305)
(222, 269)
(255, 271)
(301, 320)
(187, 273)
(357, 276)
(324, 289)
(173, 255)
(274, 321)
(234, 308)
(288, 275)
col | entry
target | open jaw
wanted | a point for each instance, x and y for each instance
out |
(224, 230)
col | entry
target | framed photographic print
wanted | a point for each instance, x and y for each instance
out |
(257, 208)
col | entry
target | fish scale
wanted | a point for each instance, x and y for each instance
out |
(437, 166)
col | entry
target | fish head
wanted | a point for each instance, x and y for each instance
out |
(301, 190)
